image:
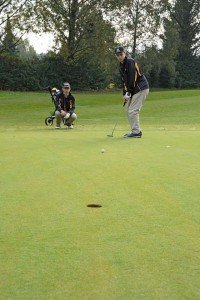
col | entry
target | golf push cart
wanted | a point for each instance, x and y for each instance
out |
(49, 120)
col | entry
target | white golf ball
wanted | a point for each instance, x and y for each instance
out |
(102, 150)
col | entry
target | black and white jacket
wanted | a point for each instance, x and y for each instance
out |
(65, 103)
(133, 80)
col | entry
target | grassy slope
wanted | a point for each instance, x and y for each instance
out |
(143, 243)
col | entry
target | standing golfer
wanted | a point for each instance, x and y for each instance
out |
(135, 90)
(65, 107)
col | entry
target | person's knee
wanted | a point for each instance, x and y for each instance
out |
(133, 112)
(57, 113)
(74, 116)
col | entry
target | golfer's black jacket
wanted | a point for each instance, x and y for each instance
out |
(65, 103)
(131, 76)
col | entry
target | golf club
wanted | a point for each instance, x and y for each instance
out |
(111, 135)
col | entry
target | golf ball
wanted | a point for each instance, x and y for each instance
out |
(102, 150)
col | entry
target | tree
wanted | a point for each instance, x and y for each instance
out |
(9, 41)
(168, 54)
(16, 15)
(151, 64)
(25, 51)
(181, 41)
(82, 35)
(78, 26)
(185, 14)
(138, 22)
(170, 38)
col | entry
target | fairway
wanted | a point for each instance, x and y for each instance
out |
(143, 243)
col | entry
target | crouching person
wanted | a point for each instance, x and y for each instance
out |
(65, 107)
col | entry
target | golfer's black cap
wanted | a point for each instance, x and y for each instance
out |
(119, 49)
(66, 84)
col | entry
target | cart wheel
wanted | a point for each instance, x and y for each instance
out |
(49, 121)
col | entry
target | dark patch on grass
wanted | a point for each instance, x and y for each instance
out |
(94, 205)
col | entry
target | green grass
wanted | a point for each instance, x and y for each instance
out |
(144, 241)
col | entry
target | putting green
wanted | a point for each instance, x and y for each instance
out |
(143, 243)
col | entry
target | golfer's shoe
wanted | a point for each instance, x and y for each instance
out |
(133, 135)
(57, 126)
(70, 126)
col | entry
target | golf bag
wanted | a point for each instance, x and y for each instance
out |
(49, 120)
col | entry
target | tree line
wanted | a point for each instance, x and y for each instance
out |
(163, 36)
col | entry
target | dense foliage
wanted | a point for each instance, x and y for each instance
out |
(85, 38)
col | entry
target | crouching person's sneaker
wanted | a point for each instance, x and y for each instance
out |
(70, 126)
(133, 135)
(57, 126)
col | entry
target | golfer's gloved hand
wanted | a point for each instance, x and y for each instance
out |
(67, 116)
(127, 96)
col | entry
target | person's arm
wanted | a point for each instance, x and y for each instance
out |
(124, 89)
(122, 80)
(72, 106)
(126, 95)
(131, 75)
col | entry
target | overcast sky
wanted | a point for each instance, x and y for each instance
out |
(41, 42)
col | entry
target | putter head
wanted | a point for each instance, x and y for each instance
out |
(110, 135)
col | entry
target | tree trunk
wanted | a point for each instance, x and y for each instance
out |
(73, 10)
(135, 29)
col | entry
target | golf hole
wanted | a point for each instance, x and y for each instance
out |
(94, 205)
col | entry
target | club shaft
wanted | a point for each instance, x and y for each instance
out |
(114, 127)
(117, 121)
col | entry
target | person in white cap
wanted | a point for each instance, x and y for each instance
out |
(65, 107)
